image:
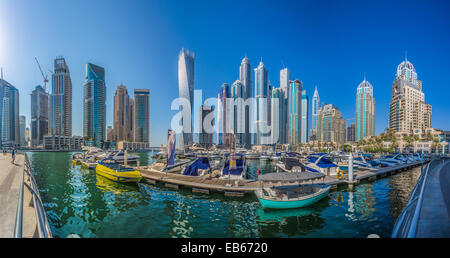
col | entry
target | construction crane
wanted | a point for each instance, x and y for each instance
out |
(43, 76)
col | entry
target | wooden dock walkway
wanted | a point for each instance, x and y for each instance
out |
(208, 184)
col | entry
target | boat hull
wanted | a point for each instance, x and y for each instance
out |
(272, 204)
(122, 177)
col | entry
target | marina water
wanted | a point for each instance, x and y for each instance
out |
(77, 201)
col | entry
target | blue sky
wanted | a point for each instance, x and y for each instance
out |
(330, 44)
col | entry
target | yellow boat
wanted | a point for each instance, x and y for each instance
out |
(112, 170)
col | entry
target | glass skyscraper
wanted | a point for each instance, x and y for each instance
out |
(305, 118)
(142, 115)
(245, 77)
(9, 115)
(365, 111)
(224, 115)
(261, 116)
(278, 112)
(295, 111)
(314, 113)
(60, 117)
(186, 91)
(94, 105)
(39, 115)
(238, 119)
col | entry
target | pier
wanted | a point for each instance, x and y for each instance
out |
(207, 184)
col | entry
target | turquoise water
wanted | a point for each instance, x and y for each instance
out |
(79, 202)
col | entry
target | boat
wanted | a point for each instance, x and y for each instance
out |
(276, 156)
(292, 164)
(252, 155)
(199, 167)
(320, 163)
(119, 156)
(264, 157)
(239, 170)
(291, 196)
(162, 166)
(76, 158)
(112, 170)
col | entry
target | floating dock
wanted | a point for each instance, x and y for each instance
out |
(206, 184)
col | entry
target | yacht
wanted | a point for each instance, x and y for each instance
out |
(237, 173)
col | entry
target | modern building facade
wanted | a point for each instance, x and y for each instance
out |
(9, 115)
(285, 77)
(365, 111)
(330, 125)
(186, 91)
(245, 77)
(224, 128)
(261, 115)
(305, 118)
(141, 115)
(59, 142)
(39, 115)
(22, 126)
(94, 105)
(408, 110)
(350, 133)
(123, 116)
(60, 117)
(295, 112)
(206, 137)
(314, 113)
(278, 115)
(238, 120)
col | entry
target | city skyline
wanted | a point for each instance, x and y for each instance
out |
(335, 66)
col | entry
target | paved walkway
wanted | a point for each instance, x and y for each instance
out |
(10, 179)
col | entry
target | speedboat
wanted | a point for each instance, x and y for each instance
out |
(292, 164)
(119, 156)
(162, 166)
(199, 167)
(276, 156)
(112, 170)
(320, 163)
(388, 161)
(239, 170)
(291, 196)
(264, 157)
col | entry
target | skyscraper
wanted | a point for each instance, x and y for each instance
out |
(278, 112)
(365, 111)
(186, 91)
(238, 112)
(295, 111)
(142, 115)
(39, 115)
(224, 115)
(350, 133)
(9, 114)
(60, 117)
(205, 137)
(245, 77)
(123, 115)
(314, 113)
(330, 125)
(305, 118)
(22, 126)
(94, 106)
(285, 77)
(261, 116)
(408, 110)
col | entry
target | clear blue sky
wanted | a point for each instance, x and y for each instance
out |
(328, 43)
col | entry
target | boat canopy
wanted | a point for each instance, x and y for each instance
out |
(289, 163)
(290, 176)
(323, 162)
(237, 171)
(200, 163)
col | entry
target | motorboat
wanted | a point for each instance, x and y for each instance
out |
(276, 156)
(238, 172)
(252, 155)
(111, 169)
(292, 164)
(162, 166)
(119, 156)
(291, 196)
(264, 157)
(199, 167)
(320, 163)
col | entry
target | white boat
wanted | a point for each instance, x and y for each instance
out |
(237, 173)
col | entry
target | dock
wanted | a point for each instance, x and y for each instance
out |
(206, 184)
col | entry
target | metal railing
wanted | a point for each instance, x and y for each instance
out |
(43, 227)
(406, 224)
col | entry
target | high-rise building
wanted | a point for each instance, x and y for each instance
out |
(22, 126)
(305, 118)
(261, 116)
(9, 114)
(408, 110)
(186, 91)
(238, 112)
(350, 133)
(330, 125)
(27, 136)
(295, 112)
(278, 111)
(94, 106)
(224, 115)
(141, 115)
(314, 113)
(60, 113)
(39, 115)
(123, 115)
(365, 111)
(285, 77)
(205, 137)
(245, 77)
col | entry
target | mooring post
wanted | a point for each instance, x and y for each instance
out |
(350, 167)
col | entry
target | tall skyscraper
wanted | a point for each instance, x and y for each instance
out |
(295, 112)
(314, 113)
(350, 133)
(261, 116)
(278, 112)
(123, 115)
(9, 114)
(224, 115)
(60, 117)
(330, 125)
(245, 77)
(408, 110)
(39, 115)
(205, 137)
(142, 115)
(22, 126)
(305, 118)
(365, 111)
(186, 91)
(238, 112)
(285, 77)
(94, 106)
